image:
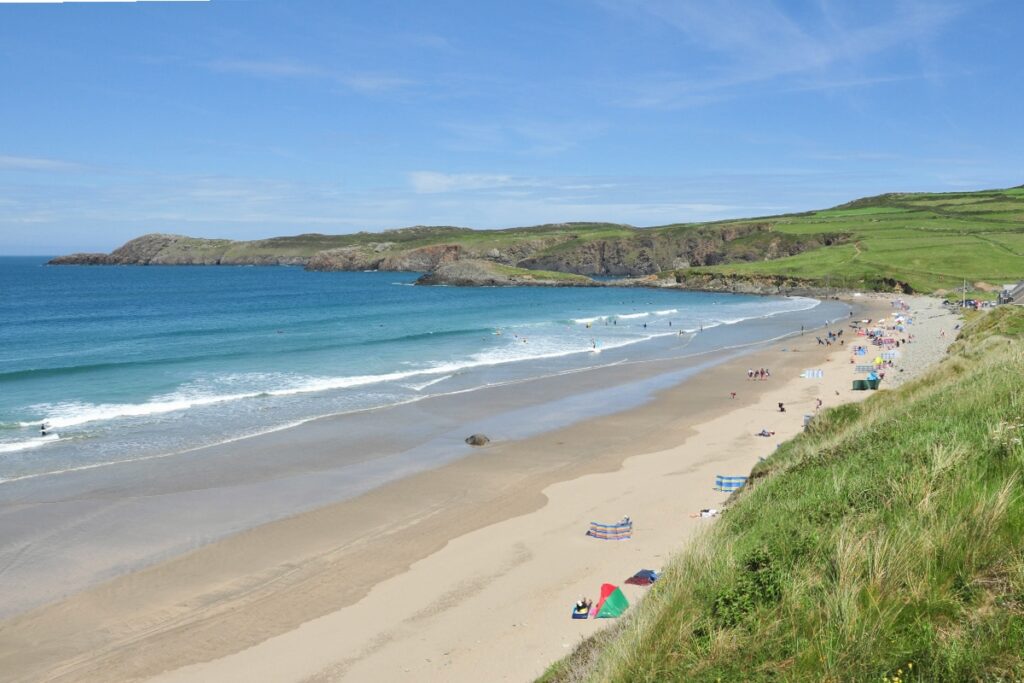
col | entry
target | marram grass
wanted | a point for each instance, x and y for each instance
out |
(886, 543)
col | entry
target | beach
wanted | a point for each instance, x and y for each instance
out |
(441, 574)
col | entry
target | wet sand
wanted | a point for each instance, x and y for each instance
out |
(438, 575)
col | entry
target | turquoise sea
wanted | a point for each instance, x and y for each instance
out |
(124, 363)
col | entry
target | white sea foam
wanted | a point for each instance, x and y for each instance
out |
(539, 347)
(28, 444)
(429, 383)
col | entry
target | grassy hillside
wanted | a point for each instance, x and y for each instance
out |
(930, 241)
(885, 543)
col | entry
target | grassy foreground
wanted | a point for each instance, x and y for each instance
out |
(885, 543)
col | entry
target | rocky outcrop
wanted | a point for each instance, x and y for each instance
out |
(682, 247)
(345, 258)
(420, 260)
(479, 273)
(81, 259)
(772, 284)
(159, 249)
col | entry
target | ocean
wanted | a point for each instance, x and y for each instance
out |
(129, 363)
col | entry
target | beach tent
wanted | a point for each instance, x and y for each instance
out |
(612, 532)
(612, 603)
(644, 577)
(728, 483)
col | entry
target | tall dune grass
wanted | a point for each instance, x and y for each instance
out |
(885, 543)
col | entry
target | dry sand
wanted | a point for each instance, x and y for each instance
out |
(464, 573)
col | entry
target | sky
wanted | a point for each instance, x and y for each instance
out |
(245, 119)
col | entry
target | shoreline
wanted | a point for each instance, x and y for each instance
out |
(265, 584)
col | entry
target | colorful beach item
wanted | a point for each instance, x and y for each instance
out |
(729, 483)
(621, 531)
(644, 577)
(612, 603)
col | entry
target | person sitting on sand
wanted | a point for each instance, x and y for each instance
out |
(707, 512)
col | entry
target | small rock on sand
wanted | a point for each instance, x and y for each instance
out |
(477, 440)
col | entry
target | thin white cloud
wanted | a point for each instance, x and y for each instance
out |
(521, 137)
(432, 182)
(290, 69)
(37, 164)
(265, 68)
(757, 43)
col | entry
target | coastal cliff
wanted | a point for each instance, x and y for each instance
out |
(582, 249)
(478, 273)
(892, 242)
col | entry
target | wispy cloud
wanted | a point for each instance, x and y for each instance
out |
(37, 164)
(432, 182)
(436, 182)
(765, 43)
(290, 69)
(521, 137)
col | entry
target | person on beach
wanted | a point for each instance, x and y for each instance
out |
(765, 432)
(732, 394)
(750, 373)
(782, 408)
(818, 404)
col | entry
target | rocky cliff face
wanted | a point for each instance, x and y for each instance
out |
(636, 253)
(689, 247)
(420, 260)
(479, 273)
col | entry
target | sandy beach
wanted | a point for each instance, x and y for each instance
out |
(466, 572)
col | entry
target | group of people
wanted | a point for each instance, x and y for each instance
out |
(760, 374)
(831, 338)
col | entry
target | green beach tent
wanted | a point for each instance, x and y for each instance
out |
(612, 603)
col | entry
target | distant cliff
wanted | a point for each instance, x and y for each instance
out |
(477, 273)
(579, 248)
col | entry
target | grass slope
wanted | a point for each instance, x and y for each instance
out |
(929, 241)
(885, 543)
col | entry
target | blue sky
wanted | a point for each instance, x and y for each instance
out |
(246, 119)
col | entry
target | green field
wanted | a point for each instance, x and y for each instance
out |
(928, 241)
(885, 543)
